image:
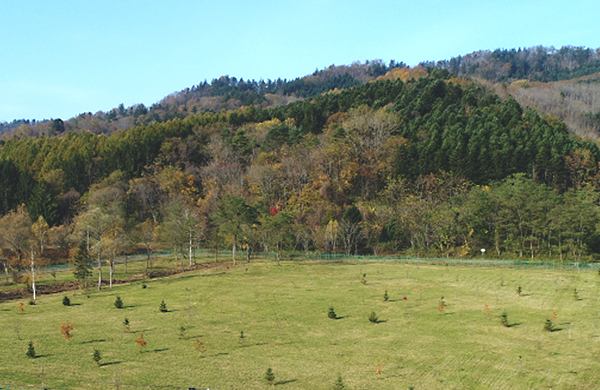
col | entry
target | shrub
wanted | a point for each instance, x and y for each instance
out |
(163, 307)
(504, 319)
(519, 290)
(200, 347)
(549, 325)
(442, 305)
(270, 376)
(575, 294)
(144, 285)
(66, 328)
(141, 342)
(386, 297)
(373, 317)
(331, 313)
(97, 356)
(66, 301)
(126, 324)
(30, 350)
(363, 279)
(118, 303)
(339, 384)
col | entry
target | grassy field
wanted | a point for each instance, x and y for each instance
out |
(282, 311)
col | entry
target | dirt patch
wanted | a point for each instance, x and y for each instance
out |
(54, 288)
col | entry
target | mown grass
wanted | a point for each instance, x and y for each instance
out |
(282, 311)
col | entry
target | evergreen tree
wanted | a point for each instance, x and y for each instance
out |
(43, 203)
(83, 269)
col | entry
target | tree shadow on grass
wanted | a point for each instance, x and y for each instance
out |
(556, 330)
(252, 345)
(513, 325)
(192, 337)
(221, 354)
(160, 350)
(286, 382)
(109, 364)
(208, 275)
(379, 322)
(43, 356)
(93, 341)
(140, 331)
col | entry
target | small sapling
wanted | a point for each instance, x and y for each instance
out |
(270, 376)
(504, 319)
(373, 318)
(141, 342)
(163, 307)
(30, 350)
(200, 347)
(97, 356)
(331, 313)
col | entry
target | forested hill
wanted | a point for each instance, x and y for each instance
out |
(224, 93)
(544, 64)
(432, 164)
(539, 64)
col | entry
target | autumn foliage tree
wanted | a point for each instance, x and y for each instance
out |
(66, 328)
(141, 342)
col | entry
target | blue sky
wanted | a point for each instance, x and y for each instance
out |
(62, 58)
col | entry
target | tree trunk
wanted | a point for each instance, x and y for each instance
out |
(190, 251)
(234, 247)
(147, 261)
(110, 273)
(99, 272)
(560, 249)
(278, 255)
(33, 275)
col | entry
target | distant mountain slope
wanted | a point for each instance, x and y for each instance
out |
(225, 92)
(516, 72)
(576, 101)
(538, 63)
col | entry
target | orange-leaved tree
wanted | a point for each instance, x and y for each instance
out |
(141, 342)
(66, 328)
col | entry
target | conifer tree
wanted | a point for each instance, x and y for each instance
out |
(83, 270)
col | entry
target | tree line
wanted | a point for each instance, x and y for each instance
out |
(539, 63)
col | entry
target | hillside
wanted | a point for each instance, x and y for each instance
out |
(224, 93)
(561, 82)
(575, 101)
(419, 163)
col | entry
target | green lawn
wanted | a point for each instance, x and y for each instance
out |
(282, 311)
